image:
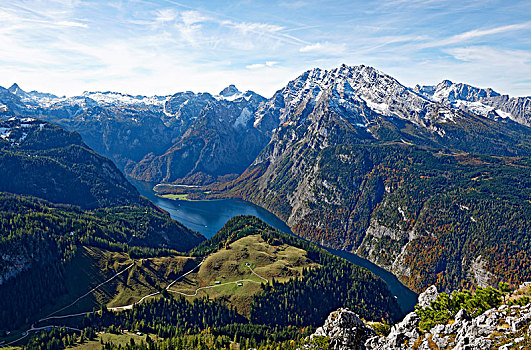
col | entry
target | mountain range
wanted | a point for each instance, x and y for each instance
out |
(348, 157)
(431, 183)
(198, 138)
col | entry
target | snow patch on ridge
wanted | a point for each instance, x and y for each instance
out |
(243, 118)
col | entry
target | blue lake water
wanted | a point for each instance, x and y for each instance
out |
(207, 217)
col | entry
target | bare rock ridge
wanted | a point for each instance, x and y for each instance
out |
(345, 330)
(499, 328)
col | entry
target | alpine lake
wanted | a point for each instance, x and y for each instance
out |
(209, 216)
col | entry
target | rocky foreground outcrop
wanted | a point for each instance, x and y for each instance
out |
(345, 330)
(505, 327)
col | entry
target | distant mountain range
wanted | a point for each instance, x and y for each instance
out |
(198, 138)
(430, 182)
(186, 137)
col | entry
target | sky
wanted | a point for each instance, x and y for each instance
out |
(160, 47)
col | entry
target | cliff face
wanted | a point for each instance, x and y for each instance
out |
(360, 162)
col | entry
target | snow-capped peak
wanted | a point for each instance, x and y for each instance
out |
(16, 90)
(229, 91)
(481, 101)
(357, 92)
(448, 91)
(110, 98)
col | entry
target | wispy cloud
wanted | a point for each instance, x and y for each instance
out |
(72, 24)
(324, 48)
(478, 33)
(294, 4)
(261, 65)
(511, 59)
(165, 15)
(253, 27)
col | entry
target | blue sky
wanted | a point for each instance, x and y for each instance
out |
(165, 46)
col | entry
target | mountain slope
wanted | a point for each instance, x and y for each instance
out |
(214, 131)
(377, 169)
(94, 206)
(50, 252)
(45, 161)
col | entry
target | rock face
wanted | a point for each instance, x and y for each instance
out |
(429, 295)
(345, 330)
(495, 329)
(215, 139)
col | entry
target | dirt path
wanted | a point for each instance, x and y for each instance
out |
(120, 308)
(221, 284)
(50, 316)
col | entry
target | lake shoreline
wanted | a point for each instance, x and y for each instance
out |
(207, 216)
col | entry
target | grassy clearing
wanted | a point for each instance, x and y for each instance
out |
(281, 262)
(148, 276)
(182, 197)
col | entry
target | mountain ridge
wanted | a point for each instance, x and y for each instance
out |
(336, 154)
(343, 174)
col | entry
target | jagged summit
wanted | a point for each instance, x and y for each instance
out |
(16, 90)
(13, 88)
(232, 94)
(229, 91)
(356, 93)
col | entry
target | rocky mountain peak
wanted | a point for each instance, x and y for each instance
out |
(357, 93)
(444, 84)
(16, 90)
(229, 91)
(13, 88)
